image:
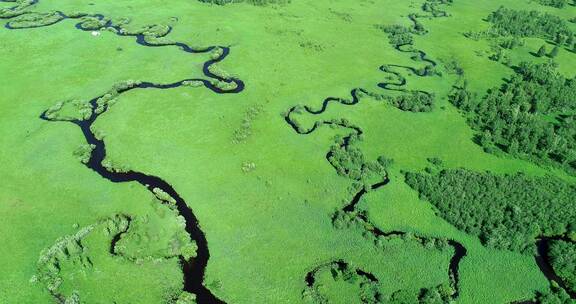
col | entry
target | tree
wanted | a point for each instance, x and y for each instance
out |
(560, 39)
(541, 51)
(554, 52)
(514, 146)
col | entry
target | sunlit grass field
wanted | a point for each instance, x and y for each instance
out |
(268, 226)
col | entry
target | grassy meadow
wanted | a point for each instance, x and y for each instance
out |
(263, 194)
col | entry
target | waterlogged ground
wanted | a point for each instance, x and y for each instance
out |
(235, 126)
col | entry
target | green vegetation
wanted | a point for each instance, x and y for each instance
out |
(125, 127)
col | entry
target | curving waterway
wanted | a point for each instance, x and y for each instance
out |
(351, 207)
(193, 269)
(396, 85)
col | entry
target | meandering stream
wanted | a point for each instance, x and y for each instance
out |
(193, 269)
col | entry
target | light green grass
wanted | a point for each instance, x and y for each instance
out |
(266, 228)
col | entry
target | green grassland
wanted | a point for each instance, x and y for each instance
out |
(263, 193)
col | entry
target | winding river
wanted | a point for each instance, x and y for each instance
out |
(393, 85)
(193, 269)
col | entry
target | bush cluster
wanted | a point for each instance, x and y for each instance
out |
(163, 196)
(248, 167)
(223, 85)
(16, 10)
(369, 289)
(453, 66)
(431, 6)
(414, 101)
(242, 133)
(441, 294)
(216, 53)
(398, 35)
(68, 110)
(563, 259)
(349, 161)
(193, 83)
(219, 71)
(113, 166)
(186, 298)
(91, 23)
(83, 152)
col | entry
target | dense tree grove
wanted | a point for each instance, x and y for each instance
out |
(509, 22)
(555, 295)
(563, 259)
(504, 211)
(530, 116)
